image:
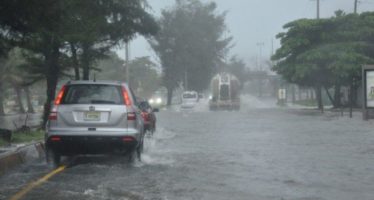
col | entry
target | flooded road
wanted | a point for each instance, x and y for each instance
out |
(260, 152)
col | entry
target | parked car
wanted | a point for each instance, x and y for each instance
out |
(149, 117)
(94, 117)
(189, 99)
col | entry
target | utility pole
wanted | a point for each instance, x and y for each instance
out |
(355, 9)
(185, 80)
(318, 9)
(260, 45)
(127, 62)
(272, 46)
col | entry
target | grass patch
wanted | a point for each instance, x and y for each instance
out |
(307, 102)
(3, 143)
(20, 137)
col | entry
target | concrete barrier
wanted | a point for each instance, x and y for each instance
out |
(12, 159)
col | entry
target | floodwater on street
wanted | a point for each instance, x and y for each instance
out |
(259, 152)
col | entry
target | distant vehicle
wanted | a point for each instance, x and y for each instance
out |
(94, 118)
(158, 99)
(149, 117)
(189, 99)
(225, 92)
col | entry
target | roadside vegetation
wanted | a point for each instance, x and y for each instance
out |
(327, 54)
(307, 102)
(76, 40)
(24, 137)
(67, 42)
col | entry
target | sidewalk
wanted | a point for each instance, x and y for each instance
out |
(16, 155)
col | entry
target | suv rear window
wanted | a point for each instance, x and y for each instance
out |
(92, 94)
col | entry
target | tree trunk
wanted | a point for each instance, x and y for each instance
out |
(299, 93)
(337, 96)
(18, 91)
(86, 61)
(351, 100)
(75, 60)
(351, 93)
(2, 112)
(330, 97)
(308, 94)
(293, 94)
(355, 96)
(30, 108)
(51, 60)
(259, 87)
(319, 98)
(170, 96)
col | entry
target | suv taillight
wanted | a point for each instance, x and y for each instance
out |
(53, 113)
(126, 96)
(131, 116)
(60, 95)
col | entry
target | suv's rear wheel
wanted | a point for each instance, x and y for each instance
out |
(53, 158)
(136, 153)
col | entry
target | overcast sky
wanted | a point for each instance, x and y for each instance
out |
(256, 21)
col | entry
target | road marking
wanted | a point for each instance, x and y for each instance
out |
(35, 184)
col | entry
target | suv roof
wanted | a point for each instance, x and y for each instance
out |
(91, 82)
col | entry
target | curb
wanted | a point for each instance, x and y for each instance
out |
(24, 154)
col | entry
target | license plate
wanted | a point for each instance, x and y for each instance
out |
(92, 116)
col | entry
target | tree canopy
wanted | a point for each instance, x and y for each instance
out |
(70, 33)
(326, 52)
(190, 44)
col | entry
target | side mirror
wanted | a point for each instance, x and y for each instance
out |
(156, 110)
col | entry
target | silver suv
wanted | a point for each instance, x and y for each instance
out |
(94, 117)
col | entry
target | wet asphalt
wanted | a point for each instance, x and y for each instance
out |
(260, 152)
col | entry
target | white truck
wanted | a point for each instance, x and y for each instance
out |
(225, 89)
(189, 99)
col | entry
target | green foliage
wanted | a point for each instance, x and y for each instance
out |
(33, 136)
(144, 78)
(326, 52)
(190, 43)
(238, 68)
(48, 28)
(94, 26)
(17, 69)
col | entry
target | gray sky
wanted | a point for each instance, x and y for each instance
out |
(256, 21)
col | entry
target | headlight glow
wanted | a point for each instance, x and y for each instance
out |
(151, 101)
(158, 100)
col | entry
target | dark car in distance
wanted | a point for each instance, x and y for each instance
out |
(148, 115)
